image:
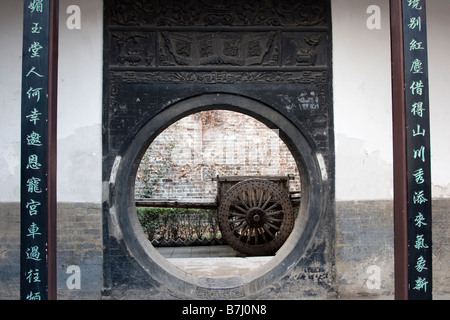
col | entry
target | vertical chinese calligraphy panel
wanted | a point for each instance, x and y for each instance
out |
(418, 149)
(34, 150)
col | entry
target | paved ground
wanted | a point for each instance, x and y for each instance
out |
(223, 262)
(197, 252)
(211, 261)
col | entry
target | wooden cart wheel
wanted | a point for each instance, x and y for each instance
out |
(256, 217)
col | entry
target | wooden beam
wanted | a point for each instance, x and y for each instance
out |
(174, 203)
(399, 144)
(52, 148)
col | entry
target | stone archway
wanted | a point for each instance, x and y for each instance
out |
(123, 210)
(270, 61)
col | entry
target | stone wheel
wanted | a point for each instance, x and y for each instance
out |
(256, 217)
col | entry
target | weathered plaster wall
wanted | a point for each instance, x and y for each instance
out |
(363, 131)
(10, 71)
(80, 100)
(362, 99)
(362, 102)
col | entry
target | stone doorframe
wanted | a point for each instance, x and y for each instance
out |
(123, 210)
(163, 62)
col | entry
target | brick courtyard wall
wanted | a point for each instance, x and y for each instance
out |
(182, 160)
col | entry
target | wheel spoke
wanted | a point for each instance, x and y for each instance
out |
(267, 231)
(249, 236)
(242, 225)
(240, 209)
(273, 206)
(243, 231)
(269, 214)
(272, 226)
(266, 203)
(275, 220)
(249, 193)
(243, 202)
(255, 197)
(263, 235)
(236, 221)
(261, 198)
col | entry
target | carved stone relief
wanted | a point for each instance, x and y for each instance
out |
(219, 48)
(220, 77)
(229, 49)
(304, 49)
(133, 49)
(284, 13)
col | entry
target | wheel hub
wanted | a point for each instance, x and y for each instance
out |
(256, 217)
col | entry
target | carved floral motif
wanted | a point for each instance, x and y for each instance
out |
(285, 13)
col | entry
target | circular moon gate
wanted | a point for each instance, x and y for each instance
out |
(312, 208)
(256, 217)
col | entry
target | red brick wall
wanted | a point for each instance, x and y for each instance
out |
(182, 160)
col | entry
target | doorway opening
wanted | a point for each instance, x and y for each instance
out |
(185, 174)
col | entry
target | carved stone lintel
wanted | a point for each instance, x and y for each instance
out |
(219, 48)
(220, 77)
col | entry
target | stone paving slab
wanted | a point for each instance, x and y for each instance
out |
(219, 267)
(211, 261)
